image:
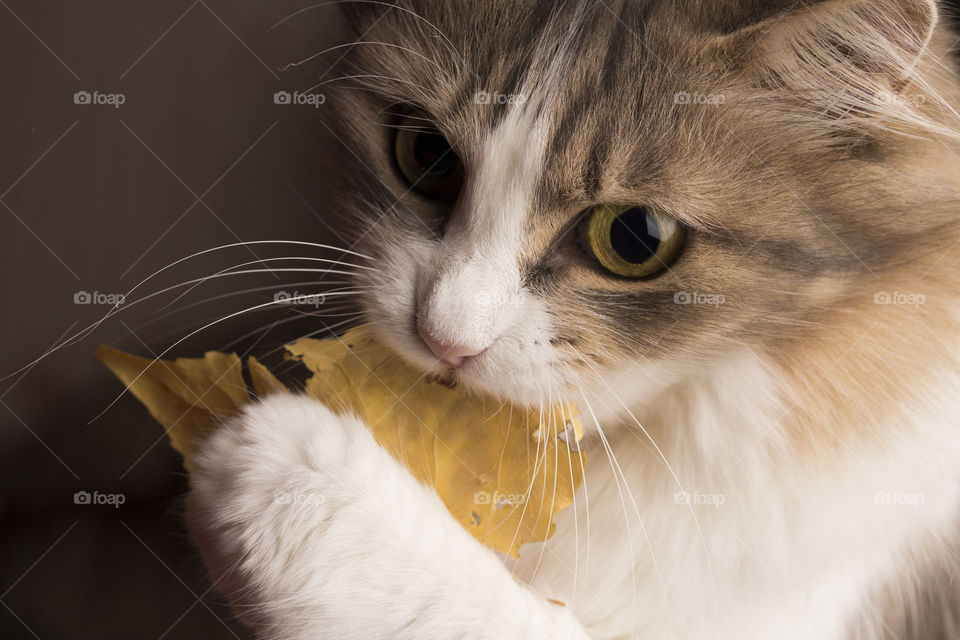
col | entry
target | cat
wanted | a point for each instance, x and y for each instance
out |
(726, 230)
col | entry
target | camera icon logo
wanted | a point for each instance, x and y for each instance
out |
(82, 97)
(82, 497)
(481, 497)
(282, 97)
(882, 297)
(682, 297)
(82, 297)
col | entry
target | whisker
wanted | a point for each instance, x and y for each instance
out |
(369, 42)
(408, 116)
(576, 519)
(533, 478)
(83, 333)
(326, 328)
(229, 270)
(240, 292)
(185, 327)
(376, 2)
(679, 485)
(556, 474)
(358, 76)
(622, 484)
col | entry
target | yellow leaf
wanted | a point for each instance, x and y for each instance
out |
(189, 397)
(264, 382)
(504, 472)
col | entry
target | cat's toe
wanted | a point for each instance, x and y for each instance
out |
(286, 450)
(280, 433)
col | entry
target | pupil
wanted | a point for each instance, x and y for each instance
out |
(635, 235)
(434, 156)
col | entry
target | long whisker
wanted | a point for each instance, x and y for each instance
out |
(370, 42)
(679, 485)
(533, 478)
(576, 519)
(548, 436)
(82, 333)
(385, 4)
(360, 76)
(324, 329)
(227, 270)
(298, 316)
(239, 292)
(622, 484)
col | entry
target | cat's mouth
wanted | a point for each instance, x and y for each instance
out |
(447, 378)
(514, 366)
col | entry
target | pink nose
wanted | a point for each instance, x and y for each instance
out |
(451, 355)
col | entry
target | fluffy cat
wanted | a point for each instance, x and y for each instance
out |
(726, 229)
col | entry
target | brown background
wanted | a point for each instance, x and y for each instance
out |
(94, 198)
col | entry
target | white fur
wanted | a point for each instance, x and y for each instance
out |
(466, 289)
(792, 550)
(314, 531)
(360, 550)
(472, 294)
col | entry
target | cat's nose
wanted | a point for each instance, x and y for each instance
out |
(451, 355)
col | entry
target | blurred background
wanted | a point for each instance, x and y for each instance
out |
(136, 133)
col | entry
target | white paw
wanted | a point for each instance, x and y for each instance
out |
(278, 448)
(312, 530)
(273, 485)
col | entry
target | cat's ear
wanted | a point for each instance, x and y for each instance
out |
(838, 40)
(837, 68)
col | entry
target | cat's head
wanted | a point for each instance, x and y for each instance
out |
(558, 193)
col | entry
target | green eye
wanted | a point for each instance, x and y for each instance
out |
(426, 160)
(630, 241)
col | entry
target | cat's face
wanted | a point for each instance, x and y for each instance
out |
(558, 194)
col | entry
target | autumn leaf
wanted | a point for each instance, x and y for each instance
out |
(504, 472)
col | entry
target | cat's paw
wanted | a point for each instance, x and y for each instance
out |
(269, 487)
(312, 530)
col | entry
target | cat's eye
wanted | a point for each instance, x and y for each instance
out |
(632, 241)
(426, 160)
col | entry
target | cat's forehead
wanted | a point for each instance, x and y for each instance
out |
(598, 86)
